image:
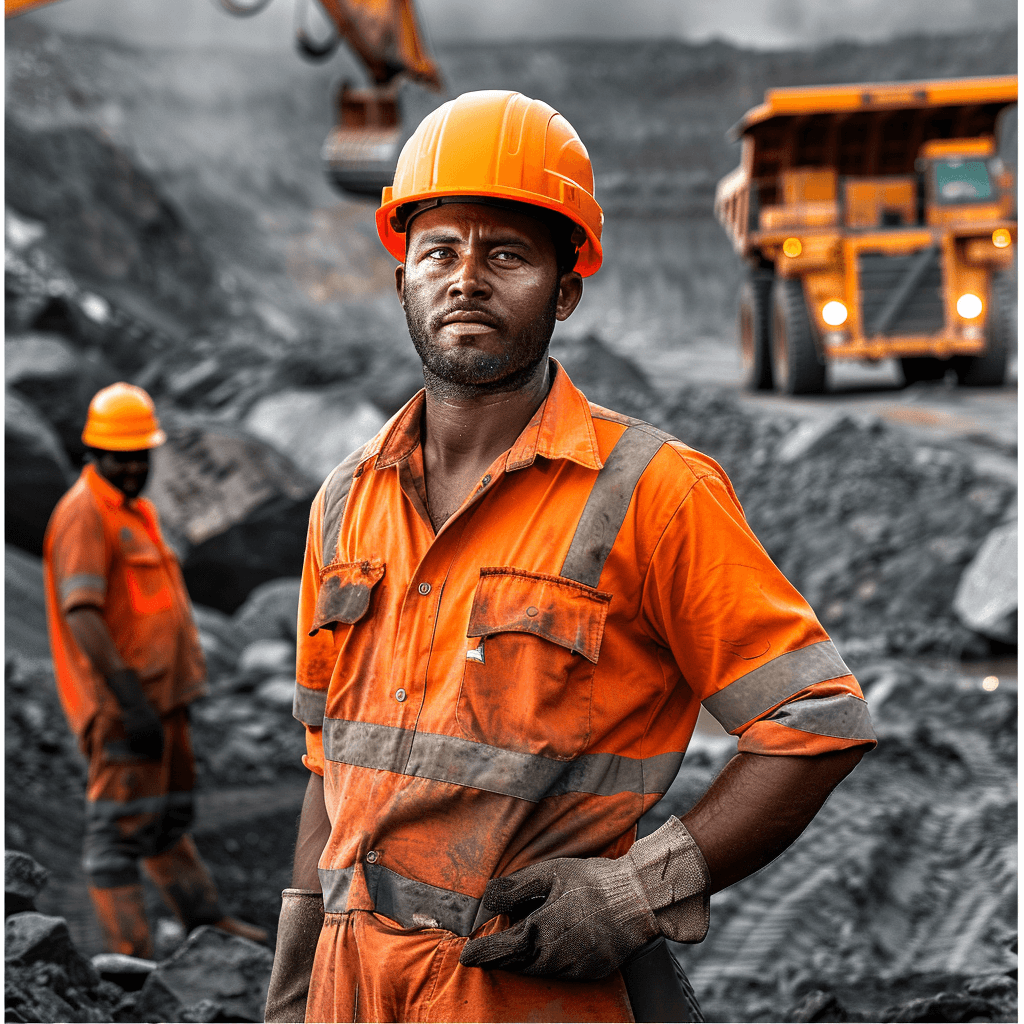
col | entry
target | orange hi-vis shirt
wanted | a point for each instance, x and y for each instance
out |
(104, 551)
(522, 684)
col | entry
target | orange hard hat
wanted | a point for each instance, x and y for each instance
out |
(498, 144)
(122, 419)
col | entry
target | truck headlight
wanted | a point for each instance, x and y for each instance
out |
(1001, 238)
(969, 306)
(792, 247)
(834, 313)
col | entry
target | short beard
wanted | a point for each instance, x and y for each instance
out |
(480, 373)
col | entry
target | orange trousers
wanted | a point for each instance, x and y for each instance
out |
(368, 968)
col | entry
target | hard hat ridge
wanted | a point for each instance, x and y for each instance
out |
(495, 145)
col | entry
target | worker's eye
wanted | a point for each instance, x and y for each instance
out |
(440, 253)
(504, 256)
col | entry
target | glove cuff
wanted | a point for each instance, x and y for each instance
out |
(675, 880)
(298, 931)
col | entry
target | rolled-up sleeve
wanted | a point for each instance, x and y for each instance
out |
(748, 645)
(80, 561)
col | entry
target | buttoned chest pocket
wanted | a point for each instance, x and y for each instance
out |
(532, 648)
(344, 595)
(149, 588)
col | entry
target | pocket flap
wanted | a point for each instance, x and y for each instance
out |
(345, 593)
(516, 601)
(142, 556)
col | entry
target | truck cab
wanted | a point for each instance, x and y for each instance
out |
(876, 221)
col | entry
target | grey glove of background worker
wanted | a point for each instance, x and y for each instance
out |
(141, 722)
(596, 911)
(298, 931)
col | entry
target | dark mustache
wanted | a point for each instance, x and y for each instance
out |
(486, 316)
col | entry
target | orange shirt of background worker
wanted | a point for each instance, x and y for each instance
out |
(105, 551)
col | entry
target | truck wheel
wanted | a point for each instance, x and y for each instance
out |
(754, 325)
(989, 369)
(797, 368)
(919, 368)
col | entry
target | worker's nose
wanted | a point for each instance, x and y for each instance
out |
(470, 280)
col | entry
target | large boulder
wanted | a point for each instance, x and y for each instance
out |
(59, 379)
(316, 427)
(986, 597)
(37, 472)
(24, 879)
(211, 965)
(236, 509)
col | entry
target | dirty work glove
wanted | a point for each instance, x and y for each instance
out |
(141, 722)
(594, 912)
(298, 931)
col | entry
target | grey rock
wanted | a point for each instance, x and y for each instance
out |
(316, 428)
(239, 509)
(813, 437)
(31, 937)
(267, 657)
(278, 692)
(157, 1001)
(213, 965)
(24, 879)
(986, 596)
(24, 607)
(37, 472)
(127, 972)
(59, 380)
(270, 612)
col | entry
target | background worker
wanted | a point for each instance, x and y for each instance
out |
(513, 605)
(128, 663)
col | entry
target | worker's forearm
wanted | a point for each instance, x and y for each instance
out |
(758, 805)
(93, 637)
(314, 831)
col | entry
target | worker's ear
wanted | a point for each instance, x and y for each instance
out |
(570, 291)
(400, 283)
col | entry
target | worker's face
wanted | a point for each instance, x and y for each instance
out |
(481, 293)
(127, 471)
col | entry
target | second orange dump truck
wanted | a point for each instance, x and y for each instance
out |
(876, 221)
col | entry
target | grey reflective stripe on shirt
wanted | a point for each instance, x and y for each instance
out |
(608, 502)
(461, 762)
(82, 581)
(750, 696)
(309, 706)
(411, 903)
(335, 500)
(843, 716)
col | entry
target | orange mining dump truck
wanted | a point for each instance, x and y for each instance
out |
(877, 221)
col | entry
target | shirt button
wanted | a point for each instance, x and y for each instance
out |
(371, 857)
(424, 589)
(486, 480)
(400, 695)
(531, 611)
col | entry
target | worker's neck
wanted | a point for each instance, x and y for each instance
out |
(463, 428)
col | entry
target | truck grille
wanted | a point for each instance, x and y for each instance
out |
(881, 276)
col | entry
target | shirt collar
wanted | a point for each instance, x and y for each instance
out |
(103, 488)
(562, 428)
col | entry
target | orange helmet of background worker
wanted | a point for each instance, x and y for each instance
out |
(122, 418)
(501, 145)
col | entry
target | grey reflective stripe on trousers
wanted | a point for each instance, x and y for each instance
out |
(309, 706)
(82, 581)
(750, 696)
(608, 502)
(111, 810)
(843, 716)
(462, 762)
(411, 903)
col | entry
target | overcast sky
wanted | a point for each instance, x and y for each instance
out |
(758, 23)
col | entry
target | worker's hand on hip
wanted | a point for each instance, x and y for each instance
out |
(142, 724)
(581, 918)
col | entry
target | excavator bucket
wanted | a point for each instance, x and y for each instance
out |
(362, 150)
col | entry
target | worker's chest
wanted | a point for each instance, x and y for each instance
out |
(472, 633)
